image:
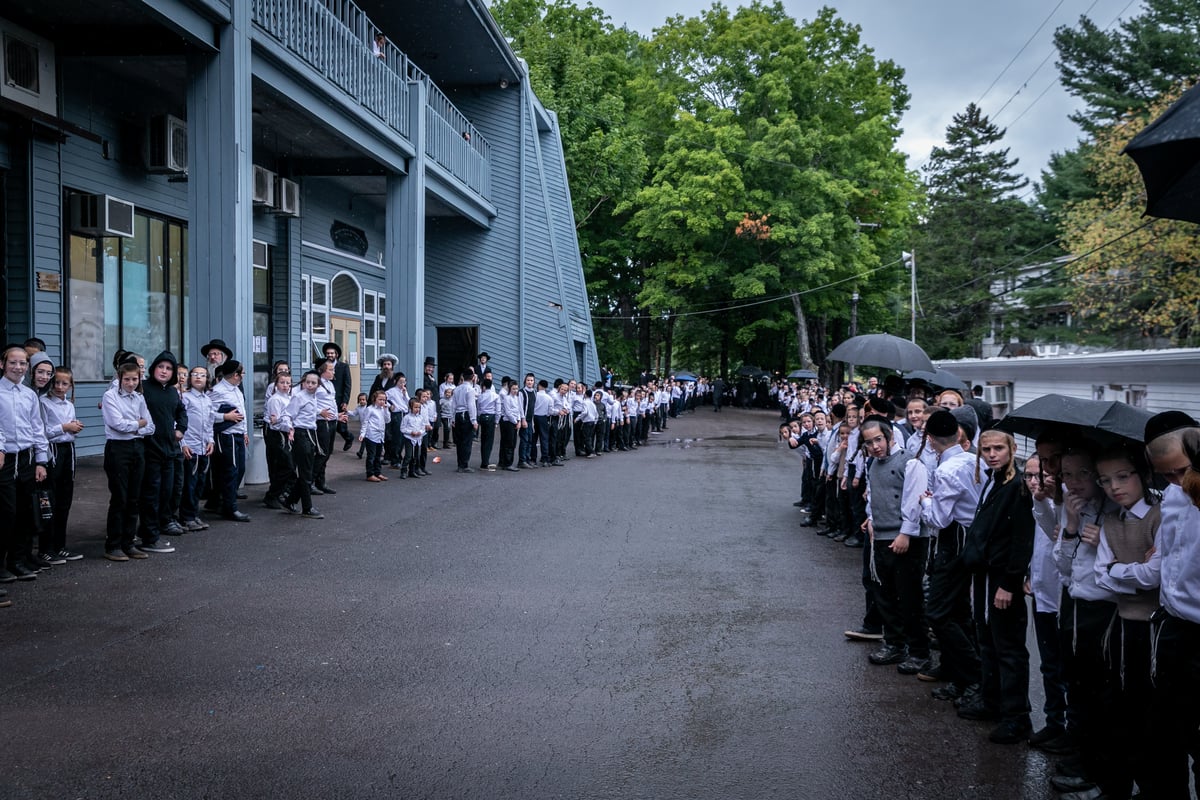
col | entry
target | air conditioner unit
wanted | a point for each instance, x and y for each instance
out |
(264, 187)
(101, 215)
(289, 198)
(28, 69)
(166, 145)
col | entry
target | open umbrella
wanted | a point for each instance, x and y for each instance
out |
(685, 376)
(802, 375)
(882, 350)
(1167, 152)
(750, 369)
(938, 378)
(1107, 420)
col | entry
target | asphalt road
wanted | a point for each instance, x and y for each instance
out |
(644, 625)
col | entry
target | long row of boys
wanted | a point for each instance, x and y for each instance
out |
(1102, 534)
(176, 440)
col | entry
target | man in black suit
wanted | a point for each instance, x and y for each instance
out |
(429, 381)
(341, 387)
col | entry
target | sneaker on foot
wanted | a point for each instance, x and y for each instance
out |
(134, 552)
(312, 513)
(161, 546)
(69, 556)
(51, 559)
(864, 635)
(115, 555)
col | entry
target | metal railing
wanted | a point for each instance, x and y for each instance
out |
(336, 38)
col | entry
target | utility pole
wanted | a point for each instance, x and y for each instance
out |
(910, 261)
(853, 325)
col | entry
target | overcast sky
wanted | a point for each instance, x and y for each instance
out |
(951, 51)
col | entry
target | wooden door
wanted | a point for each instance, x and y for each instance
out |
(347, 335)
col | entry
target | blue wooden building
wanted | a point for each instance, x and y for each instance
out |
(272, 173)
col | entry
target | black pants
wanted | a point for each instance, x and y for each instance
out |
(1054, 681)
(228, 463)
(949, 612)
(374, 457)
(1003, 657)
(158, 483)
(464, 434)
(304, 444)
(124, 462)
(280, 469)
(508, 443)
(583, 445)
(194, 471)
(1083, 625)
(410, 457)
(487, 439)
(325, 433)
(18, 487)
(1129, 655)
(899, 596)
(394, 439)
(542, 426)
(1176, 707)
(53, 537)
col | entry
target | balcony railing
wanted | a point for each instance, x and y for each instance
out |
(336, 38)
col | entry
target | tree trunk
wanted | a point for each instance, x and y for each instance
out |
(802, 343)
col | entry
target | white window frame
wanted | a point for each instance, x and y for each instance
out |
(376, 345)
(309, 308)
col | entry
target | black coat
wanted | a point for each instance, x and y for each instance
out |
(999, 542)
(341, 383)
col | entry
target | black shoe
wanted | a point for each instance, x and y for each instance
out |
(864, 635)
(853, 541)
(312, 513)
(912, 666)
(840, 537)
(51, 559)
(271, 502)
(971, 694)
(6, 576)
(1053, 740)
(1070, 783)
(4, 601)
(1011, 731)
(360, 454)
(465, 470)
(237, 516)
(22, 572)
(326, 490)
(978, 711)
(348, 444)
(241, 496)
(1072, 767)
(932, 674)
(314, 490)
(951, 691)
(1046, 734)
(799, 504)
(888, 654)
(511, 469)
(291, 508)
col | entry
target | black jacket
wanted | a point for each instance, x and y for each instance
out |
(999, 542)
(341, 383)
(166, 411)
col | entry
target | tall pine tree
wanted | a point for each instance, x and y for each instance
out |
(974, 236)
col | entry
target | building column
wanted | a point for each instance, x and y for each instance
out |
(220, 203)
(404, 248)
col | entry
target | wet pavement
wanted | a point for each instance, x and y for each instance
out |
(645, 625)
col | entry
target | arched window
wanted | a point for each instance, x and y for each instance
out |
(347, 295)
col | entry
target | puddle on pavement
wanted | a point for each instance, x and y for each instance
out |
(739, 440)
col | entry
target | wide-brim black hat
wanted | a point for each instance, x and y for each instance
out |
(429, 361)
(1167, 422)
(334, 345)
(216, 344)
(484, 355)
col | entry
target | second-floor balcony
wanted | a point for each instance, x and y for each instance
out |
(336, 39)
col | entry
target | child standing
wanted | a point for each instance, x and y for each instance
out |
(359, 403)
(61, 429)
(126, 422)
(446, 414)
(280, 470)
(373, 421)
(303, 410)
(197, 446)
(412, 428)
(162, 452)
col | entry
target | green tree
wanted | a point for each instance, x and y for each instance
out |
(1143, 289)
(1127, 68)
(975, 237)
(781, 141)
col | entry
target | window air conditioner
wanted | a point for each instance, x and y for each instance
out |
(264, 187)
(166, 145)
(27, 70)
(101, 215)
(289, 198)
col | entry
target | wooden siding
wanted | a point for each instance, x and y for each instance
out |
(17, 257)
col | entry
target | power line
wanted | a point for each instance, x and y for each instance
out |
(1013, 60)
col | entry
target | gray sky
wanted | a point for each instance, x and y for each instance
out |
(951, 51)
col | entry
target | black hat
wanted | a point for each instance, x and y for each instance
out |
(217, 344)
(941, 423)
(484, 355)
(228, 368)
(1166, 422)
(893, 384)
(334, 345)
(968, 420)
(429, 361)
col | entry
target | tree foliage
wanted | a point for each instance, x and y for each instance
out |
(976, 236)
(1124, 70)
(1143, 290)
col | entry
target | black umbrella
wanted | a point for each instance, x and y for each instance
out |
(750, 369)
(802, 375)
(1167, 152)
(882, 350)
(1106, 420)
(938, 379)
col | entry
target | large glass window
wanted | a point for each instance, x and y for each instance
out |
(263, 323)
(126, 293)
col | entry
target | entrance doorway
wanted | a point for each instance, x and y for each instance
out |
(346, 335)
(456, 349)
